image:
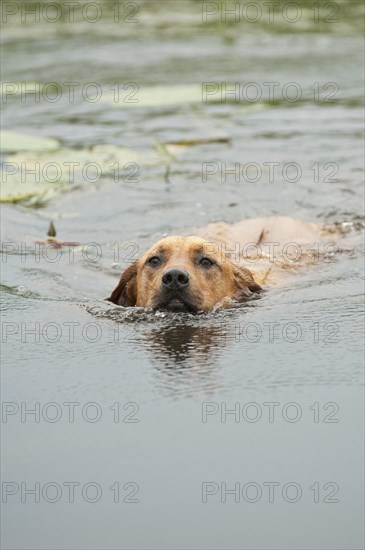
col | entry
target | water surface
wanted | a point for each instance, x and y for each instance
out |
(161, 369)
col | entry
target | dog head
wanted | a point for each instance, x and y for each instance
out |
(185, 274)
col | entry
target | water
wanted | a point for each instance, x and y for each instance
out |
(161, 369)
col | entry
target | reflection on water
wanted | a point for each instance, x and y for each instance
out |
(185, 345)
(173, 340)
(185, 357)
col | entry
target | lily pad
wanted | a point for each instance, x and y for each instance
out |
(30, 175)
(165, 96)
(13, 142)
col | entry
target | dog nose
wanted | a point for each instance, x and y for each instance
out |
(175, 278)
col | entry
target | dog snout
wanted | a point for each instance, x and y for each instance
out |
(175, 279)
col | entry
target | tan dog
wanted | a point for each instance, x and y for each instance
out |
(191, 274)
(183, 274)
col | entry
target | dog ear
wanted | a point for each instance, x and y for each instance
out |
(245, 283)
(125, 293)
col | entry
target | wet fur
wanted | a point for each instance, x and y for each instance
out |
(140, 285)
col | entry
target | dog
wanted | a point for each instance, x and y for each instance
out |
(182, 274)
(199, 273)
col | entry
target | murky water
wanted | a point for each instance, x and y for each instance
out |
(158, 437)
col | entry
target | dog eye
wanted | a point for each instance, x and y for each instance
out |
(206, 262)
(154, 261)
